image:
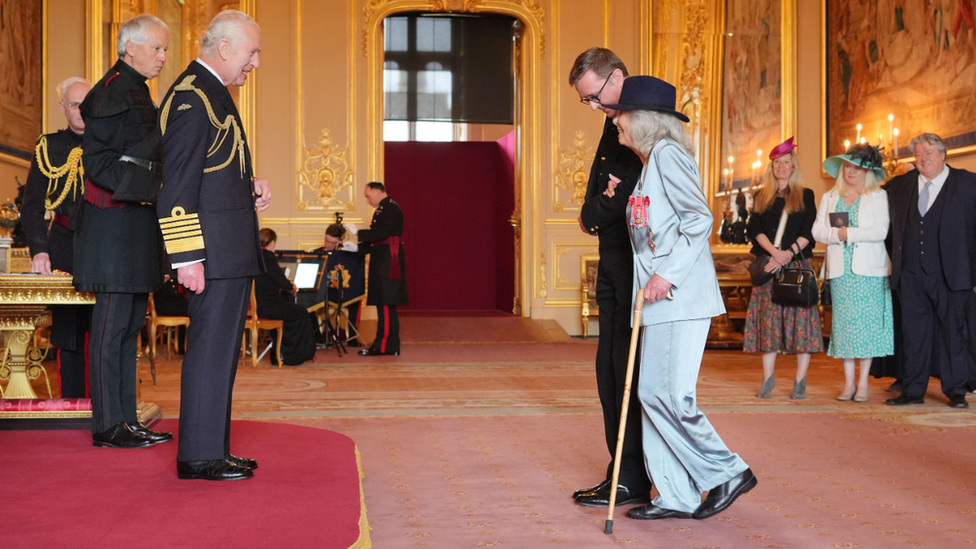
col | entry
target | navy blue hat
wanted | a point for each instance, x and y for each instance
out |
(646, 93)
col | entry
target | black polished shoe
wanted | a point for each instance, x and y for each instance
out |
(958, 401)
(121, 436)
(904, 399)
(895, 387)
(158, 437)
(589, 491)
(246, 463)
(653, 512)
(601, 498)
(369, 351)
(217, 469)
(720, 497)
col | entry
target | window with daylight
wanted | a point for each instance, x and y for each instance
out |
(445, 72)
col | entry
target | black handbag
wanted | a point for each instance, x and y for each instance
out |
(795, 286)
(825, 293)
(757, 270)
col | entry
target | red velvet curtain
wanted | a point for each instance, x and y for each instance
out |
(456, 200)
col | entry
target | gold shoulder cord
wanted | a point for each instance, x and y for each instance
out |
(72, 167)
(223, 128)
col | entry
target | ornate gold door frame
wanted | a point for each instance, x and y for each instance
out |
(529, 51)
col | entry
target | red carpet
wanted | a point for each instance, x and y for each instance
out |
(60, 491)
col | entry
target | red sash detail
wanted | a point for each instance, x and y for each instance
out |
(394, 243)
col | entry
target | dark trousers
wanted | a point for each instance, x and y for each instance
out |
(117, 320)
(935, 333)
(971, 329)
(387, 329)
(614, 289)
(209, 367)
(71, 371)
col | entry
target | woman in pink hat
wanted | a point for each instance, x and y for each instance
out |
(780, 228)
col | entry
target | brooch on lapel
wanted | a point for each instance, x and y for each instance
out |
(184, 107)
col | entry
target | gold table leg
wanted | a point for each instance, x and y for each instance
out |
(19, 366)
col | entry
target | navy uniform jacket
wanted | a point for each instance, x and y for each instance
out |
(56, 182)
(387, 221)
(206, 206)
(605, 216)
(117, 242)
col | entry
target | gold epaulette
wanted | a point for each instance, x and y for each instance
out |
(223, 128)
(181, 232)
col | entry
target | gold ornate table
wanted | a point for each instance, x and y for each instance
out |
(24, 301)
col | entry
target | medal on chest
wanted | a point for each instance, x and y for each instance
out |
(638, 217)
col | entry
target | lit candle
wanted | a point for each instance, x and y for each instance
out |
(891, 120)
(847, 144)
(858, 138)
(862, 140)
(880, 139)
(894, 152)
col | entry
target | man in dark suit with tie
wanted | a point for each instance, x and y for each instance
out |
(932, 242)
(598, 76)
(210, 229)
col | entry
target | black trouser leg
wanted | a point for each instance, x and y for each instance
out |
(116, 321)
(387, 329)
(614, 288)
(971, 333)
(209, 368)
(71, 370)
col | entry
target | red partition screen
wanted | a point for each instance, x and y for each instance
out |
(456, 200)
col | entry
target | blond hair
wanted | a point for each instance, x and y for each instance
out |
(770, 187)
(870, 182)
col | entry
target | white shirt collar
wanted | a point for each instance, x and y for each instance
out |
(212, 71)
(937, 181)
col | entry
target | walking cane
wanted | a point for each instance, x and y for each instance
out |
(634, 334)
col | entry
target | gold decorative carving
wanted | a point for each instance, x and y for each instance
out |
(692, 90)
(532, 9)
(573, 174)
(325, 172)
(560, 280)
(543, 291)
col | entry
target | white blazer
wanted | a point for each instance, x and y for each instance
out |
(868, 238)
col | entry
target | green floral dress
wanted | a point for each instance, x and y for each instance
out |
(862, 325)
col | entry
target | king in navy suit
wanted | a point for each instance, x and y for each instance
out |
(206, 211)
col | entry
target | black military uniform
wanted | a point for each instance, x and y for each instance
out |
(117, 242)
(605, 217)
(206, 212)
(387, 274)
(56, 182)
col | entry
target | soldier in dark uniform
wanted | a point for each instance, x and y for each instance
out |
(56, 183)
(117, 243)
(598, 76)
(206, 212)
(387, 283)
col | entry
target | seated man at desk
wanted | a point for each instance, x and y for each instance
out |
(334, 241)
(270, 290)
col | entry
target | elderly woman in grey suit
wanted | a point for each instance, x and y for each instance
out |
(670, 223)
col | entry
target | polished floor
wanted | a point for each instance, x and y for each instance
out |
(474, 440)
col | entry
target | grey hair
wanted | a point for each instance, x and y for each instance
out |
(649, 127)
(63, 86)
(135, 30)
(930, 139)
(227, 25)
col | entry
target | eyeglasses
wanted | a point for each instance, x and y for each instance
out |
(72, 105)
(596, 98)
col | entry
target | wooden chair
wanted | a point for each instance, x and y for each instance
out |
(253, 324)
(588, 275)
(169, 322)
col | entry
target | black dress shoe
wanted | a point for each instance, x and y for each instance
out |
(158, 437)
(904, 399)
(601, 498)
(720, 497)
(958, 401)
(121, 436)
(589, 491)
(653, 512)
(246, 463)
(217, 469)
(895, 387)
(369, 351)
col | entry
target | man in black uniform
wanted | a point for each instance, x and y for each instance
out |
(206, 212)
(598, 75)
(55, 182)
(387, 269)
(117, 249)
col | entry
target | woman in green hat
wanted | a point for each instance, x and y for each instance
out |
(853, 222)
